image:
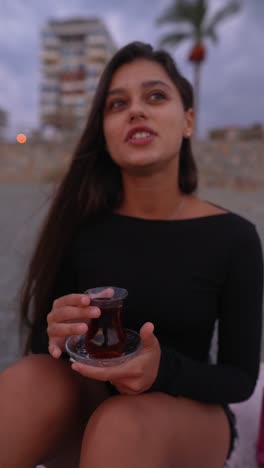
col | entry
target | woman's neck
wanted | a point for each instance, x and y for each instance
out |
(152, 197)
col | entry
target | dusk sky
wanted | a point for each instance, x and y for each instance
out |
(232, 77)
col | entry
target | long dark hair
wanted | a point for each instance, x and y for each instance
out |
(92, 185)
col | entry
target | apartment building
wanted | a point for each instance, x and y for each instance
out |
(74, 53)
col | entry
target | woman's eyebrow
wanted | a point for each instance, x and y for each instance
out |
(151, 83)
(116, 91)
(145, 84)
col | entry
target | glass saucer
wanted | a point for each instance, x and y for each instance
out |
(75, 347)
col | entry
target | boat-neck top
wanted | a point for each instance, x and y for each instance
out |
(188, 277)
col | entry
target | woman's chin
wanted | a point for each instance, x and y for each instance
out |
(140, 164)
(141, 168)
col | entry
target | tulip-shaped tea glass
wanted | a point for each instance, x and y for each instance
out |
(106, 342)
(106, 337)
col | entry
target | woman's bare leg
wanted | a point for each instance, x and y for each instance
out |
(41, 407)
(93, 393)
(155, 431)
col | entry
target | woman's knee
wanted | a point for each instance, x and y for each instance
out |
(37, 365)
(118, 429)
(40, 380)
(39, 406)
(118, 416)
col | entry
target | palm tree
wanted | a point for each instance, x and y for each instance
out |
(196, 26)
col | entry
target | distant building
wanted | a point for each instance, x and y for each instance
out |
(231, 133)
(74, 53)
(3, 123)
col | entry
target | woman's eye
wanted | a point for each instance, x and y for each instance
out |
(157, 96)
(116, 104)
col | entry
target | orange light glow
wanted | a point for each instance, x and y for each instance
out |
(21, 138)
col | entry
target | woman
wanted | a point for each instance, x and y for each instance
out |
(127, 214)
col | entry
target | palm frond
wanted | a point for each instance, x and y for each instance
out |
(200, 10)
(173, 39)
(191, 14)
(225, 12)
(181, 11)
(210, 33)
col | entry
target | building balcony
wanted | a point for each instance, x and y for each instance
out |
(72, 99)
(49, 98)
(74, 63)
(97, 55)
(49, 84)
(48, 109)
(51, 71)
(72, 86)
(96, 40)
(73, 75)
(72, 49)
(49, 54)
(50, 41)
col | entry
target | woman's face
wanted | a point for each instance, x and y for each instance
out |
(144, 119)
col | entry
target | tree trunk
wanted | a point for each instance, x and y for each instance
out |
(196, 87)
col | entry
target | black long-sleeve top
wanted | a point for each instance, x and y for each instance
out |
(184, 276)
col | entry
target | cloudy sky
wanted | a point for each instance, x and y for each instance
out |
(232, 77)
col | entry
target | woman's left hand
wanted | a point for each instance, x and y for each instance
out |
(132, 377)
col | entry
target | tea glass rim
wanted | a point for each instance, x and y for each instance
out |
(119, 295)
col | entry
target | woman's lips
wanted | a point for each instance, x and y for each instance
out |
(140, 135)
(141, 141)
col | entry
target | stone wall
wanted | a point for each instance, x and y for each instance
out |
(238, 164)
(33, 161)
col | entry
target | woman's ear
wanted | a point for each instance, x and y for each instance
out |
(189, 123)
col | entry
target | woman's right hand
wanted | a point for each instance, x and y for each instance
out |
(70, 315)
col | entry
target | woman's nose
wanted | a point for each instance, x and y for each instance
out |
(136, 115)
(136, 112)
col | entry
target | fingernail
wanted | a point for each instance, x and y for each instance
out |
(75, 367)
(85, 300)
(82, 328)
(52, 349)
(57, 353)
(95, 312)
